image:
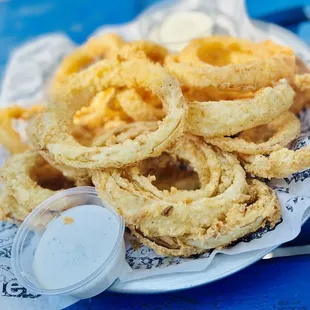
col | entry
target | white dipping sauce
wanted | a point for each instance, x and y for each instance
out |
(180, 27)
(74, 245)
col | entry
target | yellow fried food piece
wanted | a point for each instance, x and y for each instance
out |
(279, 164)
(9, 137)
(53, 134)
(239, 221)
(263, 139)
(191, 216)
(228, 117)
(105, 46)
(27, 181)
(227, 62)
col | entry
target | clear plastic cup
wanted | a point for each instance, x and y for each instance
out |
(32, 229)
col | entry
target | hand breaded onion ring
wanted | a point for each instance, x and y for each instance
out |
(188, 216)
(238, 222)
(201, 156)
(286, 128)
(262, 209)
(53, 132)
(9, 137)
(205, 158)
(228, 117)
(108, 46)
(97, 47)
(21, 188)
(279, 164)
(148, 208)
(249, 71)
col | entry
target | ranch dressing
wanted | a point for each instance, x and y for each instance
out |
(75, 245)
(180, 27)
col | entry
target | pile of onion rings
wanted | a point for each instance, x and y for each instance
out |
(175, 143)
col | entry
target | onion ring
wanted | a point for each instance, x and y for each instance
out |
(184, 219)
(21, 187)
(261, 70)
(199, 154)
(53, 135)
(108, 46)
(264, 208)
(286, 127)
(279, 164)
(238, 223)
(9, 137)
(218, 118)
(97, 47)
(149, 209)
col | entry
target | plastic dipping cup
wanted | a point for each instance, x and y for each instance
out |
(82, 234)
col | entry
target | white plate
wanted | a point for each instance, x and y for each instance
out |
(222, 265)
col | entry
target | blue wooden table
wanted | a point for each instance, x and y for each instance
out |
(278, 284)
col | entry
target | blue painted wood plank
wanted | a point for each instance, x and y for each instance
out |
(303, 31)
(257, 8)
(277, 284)
(21, 20)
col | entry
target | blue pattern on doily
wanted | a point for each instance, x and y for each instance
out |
(146, 258)
(280, 189)
(298, 176)
(304, 117)
(291, 203)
